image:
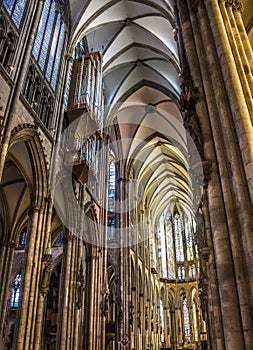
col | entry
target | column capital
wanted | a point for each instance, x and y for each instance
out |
(235, 4)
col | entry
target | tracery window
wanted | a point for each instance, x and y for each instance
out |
(8, 42)
(15, 9)
(15, 295)
(48, 45)
(176, 252)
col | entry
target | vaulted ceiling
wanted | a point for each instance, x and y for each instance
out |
(141, 74)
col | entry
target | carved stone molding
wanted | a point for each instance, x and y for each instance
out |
(236, 5)
(195, 4)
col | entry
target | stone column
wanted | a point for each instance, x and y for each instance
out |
(124, 285)
(241, 117)
(188, 29)
(67, 300)
(228, 11)
(24, 338)
(7, 253)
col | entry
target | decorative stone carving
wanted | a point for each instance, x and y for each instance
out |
(196, 3)
(44, 285)
(189, 97)
(80, 289)
(236, 5)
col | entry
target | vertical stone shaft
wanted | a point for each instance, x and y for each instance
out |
(195, 59)
(239, 54)
(241, 117)
(30, 282)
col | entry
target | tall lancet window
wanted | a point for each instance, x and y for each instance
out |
(15, 294)
(188, 238)
(15, 9)
(178, 238)
(111, 184)
(187, 335)
(111, 197)
(49, 40)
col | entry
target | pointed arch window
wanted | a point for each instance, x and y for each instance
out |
(15, 9)
(49, 40)
(15, 294)
(175, 249)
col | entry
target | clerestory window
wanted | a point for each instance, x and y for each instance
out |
(15, 9)
(49, 40)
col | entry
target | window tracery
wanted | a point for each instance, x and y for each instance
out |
(15, 9)
(111, 220)
(175, 247)
(8, 43)
(49, 40)
(39, 95)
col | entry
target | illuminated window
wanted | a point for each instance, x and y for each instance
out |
(189, 242)
(178, 238)
(111, 197)
(22, 240)
(162, 321)
(186, 321)
(15, 9)
(16, 291)
(111, 185)
(49, 40)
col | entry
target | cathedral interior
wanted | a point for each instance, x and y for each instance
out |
(126, 171)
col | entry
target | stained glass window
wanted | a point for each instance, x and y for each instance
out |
(16, 291)
(170, 248)
(49, 41)
(175, 247)
(162, 321)
(186, 321)
(189, 241)
(22, 239)
(111, 228)
(16, 9)
(178, 238)
(111, 186)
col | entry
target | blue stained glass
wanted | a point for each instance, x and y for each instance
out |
(41, 29)
(53, 48)
(46, 40)
(15, 10)
(58, 56)
(18, 12)
(16, 291)
(8, 4)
